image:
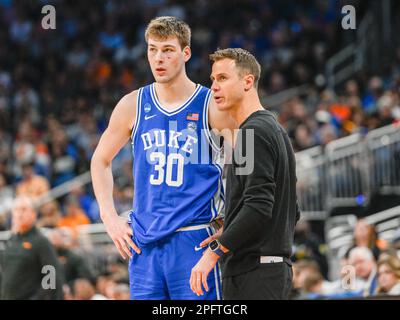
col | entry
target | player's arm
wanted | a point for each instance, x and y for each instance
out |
(111, 142)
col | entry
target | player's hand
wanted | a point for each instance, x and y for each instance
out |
(211, 238)
(200, 272)
(121, 234)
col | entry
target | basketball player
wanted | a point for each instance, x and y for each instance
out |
(178, 186)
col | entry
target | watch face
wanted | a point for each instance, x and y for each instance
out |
(214, 245)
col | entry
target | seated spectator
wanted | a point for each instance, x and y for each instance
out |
(313, 284)
(365, 236)
(300, 270)
(303, 138)
(64, 155)
(83, 290)
(308, 281)
(388, 275)
(74, 215)
(50, 215)
(362, 259)
(32, 185)
(308, 245)
(73, 265)
(101, 284)
(358, 277)
(110, 289)
(122, 292)
(86, 202)
(106, 287)
(123, 198)
(347, 281)
(26, 102)
(119, 271)
(30, 147)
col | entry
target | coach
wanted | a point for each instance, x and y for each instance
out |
(27, 255)
(261, 205)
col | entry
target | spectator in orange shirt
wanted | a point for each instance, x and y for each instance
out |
(74, 215)
(32, 185)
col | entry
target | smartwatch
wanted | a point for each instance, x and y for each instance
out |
(215, 247)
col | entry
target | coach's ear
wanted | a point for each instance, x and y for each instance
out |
(248, 82)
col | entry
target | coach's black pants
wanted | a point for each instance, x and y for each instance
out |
(270, 281)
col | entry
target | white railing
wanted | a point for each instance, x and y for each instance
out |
(310, 183)
(339, 229)
(346, 172)
(384, 145)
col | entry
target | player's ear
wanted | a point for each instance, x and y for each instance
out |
(248, 81)
(187, 52)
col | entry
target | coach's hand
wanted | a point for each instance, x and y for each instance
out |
(211, 238)
(121, 234)
(198, 278)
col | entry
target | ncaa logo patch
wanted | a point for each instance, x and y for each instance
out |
(192, 126)
(147, 107)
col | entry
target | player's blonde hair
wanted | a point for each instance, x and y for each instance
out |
(244, 61)
(162, 28)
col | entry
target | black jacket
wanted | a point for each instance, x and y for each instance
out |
(24, 272)
(261, 205)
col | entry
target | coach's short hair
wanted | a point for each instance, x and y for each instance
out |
(244, 61)
(162, 28)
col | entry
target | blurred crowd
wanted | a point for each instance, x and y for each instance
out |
(59, 87)
(369, 267)
(362, 105)
(29, 253)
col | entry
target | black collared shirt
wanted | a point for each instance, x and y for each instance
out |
(261, 205)
(22, 272)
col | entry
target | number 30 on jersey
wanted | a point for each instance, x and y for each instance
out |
(164, 169)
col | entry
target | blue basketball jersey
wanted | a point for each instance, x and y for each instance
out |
(178, 181)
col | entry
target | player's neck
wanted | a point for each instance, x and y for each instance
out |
(176, 92)
(250, 104)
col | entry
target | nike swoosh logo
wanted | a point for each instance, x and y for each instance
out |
(149, 117)
(197, 248)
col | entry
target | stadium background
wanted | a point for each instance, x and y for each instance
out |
(337, 92)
